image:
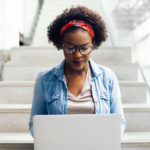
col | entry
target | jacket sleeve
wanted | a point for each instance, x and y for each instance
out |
(116, 103)
(38, 103)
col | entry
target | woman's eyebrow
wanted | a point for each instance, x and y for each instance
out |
(79, 45)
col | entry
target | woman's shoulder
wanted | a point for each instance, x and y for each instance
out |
(108, 72)
(107, 76)
(48, 73)
(104, 71)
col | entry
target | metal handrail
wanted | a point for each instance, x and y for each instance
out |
(2, 60)
(144, 76)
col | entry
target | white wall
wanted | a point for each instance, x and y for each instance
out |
(2, 23)
(108, 7)
(30, 11)
(142, 42)
(16, 16)
(119, 36)
(9, 24)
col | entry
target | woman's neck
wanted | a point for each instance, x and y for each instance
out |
(69, 71)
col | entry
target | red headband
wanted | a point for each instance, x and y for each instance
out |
(78, 23)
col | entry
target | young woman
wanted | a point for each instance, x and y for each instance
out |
(78, 85)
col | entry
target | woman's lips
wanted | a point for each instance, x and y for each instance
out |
(77, 62)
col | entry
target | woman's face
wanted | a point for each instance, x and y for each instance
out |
(79, 38)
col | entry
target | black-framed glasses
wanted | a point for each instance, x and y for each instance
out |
(83, 49)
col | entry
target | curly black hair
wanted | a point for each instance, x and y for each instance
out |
(77, 13)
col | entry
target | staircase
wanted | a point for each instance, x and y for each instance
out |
(16, 92)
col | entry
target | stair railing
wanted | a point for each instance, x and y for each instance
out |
(141, 68)
(1, 64)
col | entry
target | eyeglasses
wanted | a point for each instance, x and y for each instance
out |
(71, 49)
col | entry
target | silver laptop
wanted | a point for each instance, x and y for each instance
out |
(77, 132)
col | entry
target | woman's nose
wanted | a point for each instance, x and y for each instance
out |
(77, 53)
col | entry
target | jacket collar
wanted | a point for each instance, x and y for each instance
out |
(95, 69)
(59, 70)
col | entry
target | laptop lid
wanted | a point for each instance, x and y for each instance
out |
(77, 132)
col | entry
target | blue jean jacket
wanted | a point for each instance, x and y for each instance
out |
(50, 92)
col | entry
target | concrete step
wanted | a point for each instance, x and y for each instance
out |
(133, 92)
(16, 141)
(22, 92)
(24, 141)
(44, 41)
(136, 141)
(16, 92)
(38, 41)
(48, 55)
(124, 71)
(15, 117)
(137, 117)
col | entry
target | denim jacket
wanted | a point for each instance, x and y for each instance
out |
(50, 92)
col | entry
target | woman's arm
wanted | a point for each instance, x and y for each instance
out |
(115, 101)
(38, 104)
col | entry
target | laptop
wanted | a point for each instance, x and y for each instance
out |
(77, 132)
